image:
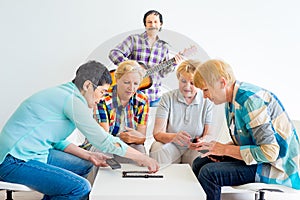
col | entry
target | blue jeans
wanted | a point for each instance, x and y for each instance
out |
(62, 177)
(229, 172)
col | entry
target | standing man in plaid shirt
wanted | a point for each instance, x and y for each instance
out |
(149, 49)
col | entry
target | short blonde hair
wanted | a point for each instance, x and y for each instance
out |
(129, 66)
(211, 71)
(187, 66)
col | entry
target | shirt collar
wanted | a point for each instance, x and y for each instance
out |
(181, 99)
(145, 36)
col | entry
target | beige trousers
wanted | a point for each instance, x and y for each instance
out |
(169, 153)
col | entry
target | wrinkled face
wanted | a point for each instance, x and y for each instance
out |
(128, 85)
(216, 93)
(93, 96)
(186, 85)
(153, 23)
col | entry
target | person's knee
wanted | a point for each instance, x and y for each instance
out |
(82, 190)
(203, 166)
(208, 171)
(204, 171)
(189, 156)
(86, 168)
(76, 187)
(156, 147)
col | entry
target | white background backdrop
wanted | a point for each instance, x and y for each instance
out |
(42, 42)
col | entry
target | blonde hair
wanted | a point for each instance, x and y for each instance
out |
(211, 71)
(187, 66)
(129, 66)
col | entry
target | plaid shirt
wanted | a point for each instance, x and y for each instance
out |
(262, 125)
(136, 47)
(110, 109)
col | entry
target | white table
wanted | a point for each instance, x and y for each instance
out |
(178, 182)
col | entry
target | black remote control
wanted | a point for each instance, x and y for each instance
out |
(113, 163)
(140, 174)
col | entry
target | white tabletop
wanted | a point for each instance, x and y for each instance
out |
(178, 182)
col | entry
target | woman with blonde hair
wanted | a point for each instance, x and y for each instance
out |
(123, 111)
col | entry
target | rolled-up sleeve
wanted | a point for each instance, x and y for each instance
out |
(252, 154)
(264, 147)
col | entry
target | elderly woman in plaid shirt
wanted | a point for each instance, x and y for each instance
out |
(123, 111)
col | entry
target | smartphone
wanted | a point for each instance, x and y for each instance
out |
(203, 151)
(194, 140)
(113, 163)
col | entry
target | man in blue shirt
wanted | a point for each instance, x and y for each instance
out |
(265, 145)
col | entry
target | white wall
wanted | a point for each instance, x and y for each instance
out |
(42, 42)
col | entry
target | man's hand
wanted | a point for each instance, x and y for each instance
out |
(178, 58)
(216, 150)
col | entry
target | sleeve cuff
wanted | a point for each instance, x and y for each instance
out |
(247, 156)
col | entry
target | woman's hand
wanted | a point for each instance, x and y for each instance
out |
(132, 136)
(149, 162)
(98, 159)
(182, 138)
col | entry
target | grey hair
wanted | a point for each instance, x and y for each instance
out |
(93, 71)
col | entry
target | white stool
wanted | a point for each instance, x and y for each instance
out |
(250, 191)
(13, 187)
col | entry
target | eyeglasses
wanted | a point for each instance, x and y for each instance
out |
(102, 91)
(94, 85)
